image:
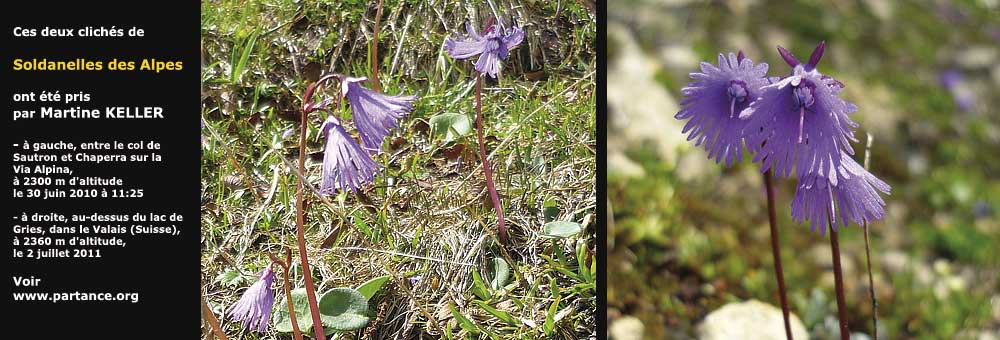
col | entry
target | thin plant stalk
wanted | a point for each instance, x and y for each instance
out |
(776, 251)
(212, 320)
(868, 253)
(300, 218)
(296, 332)
(501, 225)
(871, 284)
(838, 278)
(374, 49)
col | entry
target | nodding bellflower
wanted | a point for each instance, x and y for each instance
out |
(492, 46)
(375, 114)
(855, 196)
(802, 120)
(797, 123)
(254, 307)
(713, 101)
(345, 164)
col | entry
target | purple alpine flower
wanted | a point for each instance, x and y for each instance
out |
(802, 120)
(374, 113)
(254, 307)
(713, 102)
(345, 164)
(855, 196)
(492, 46)
(951, 80)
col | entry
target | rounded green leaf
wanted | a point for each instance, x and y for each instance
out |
(501, 273)
(560, 229)
(283, 322)
(343, 309)
(450, 126)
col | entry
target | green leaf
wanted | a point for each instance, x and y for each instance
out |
(463, 321)
(359, 221)
(502, 315)
(550, 210)
(343, 309)
(479, 287)
(501, 273)
(230, 277)
(560, 229)
(581, 261)
(371, 287)
(450, 126)
(283, 322)
(549, 326)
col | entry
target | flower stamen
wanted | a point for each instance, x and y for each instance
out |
(804, 96)
(737, 94)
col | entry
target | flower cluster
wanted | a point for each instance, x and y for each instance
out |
(796, 124)
(347, 164)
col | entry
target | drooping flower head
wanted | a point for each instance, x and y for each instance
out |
(254, 307)
(374, 113)
(802, 120)
(855, 197)
(345, 164)
(492, 46)
(713, 101)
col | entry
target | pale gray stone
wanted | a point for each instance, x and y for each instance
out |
(750, 320)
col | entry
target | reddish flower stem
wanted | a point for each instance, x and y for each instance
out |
(300, 217)
(838, 277)
(212, 320)
(296, 332)
(374, 49)
(501, 226)
(776, 251)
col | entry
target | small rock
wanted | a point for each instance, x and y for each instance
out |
(749, 320)
(626, 328)
(995, 302)
(894, 261)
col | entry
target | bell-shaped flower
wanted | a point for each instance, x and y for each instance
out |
(800, 122)
(855, 197)
(714, 100)
(254, 307)
(374, 113)
(345, 164)
(492, 46)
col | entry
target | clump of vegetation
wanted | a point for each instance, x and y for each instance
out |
(409, 253)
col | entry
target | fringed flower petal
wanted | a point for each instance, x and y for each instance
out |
(804, 123)
(254, 307)
(712, 104)
(375, 114)
(492, 47)
(856, 197)
(345, 164)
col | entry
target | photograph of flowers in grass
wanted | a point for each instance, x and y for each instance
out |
(803, 170)
(398, 170)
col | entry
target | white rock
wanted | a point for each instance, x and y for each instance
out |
(626, 328)
(750, 320)
(641, 110)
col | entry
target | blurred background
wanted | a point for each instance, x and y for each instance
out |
(687, 237)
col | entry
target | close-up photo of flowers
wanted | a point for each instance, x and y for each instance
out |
(803, 170)
(399, 170)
